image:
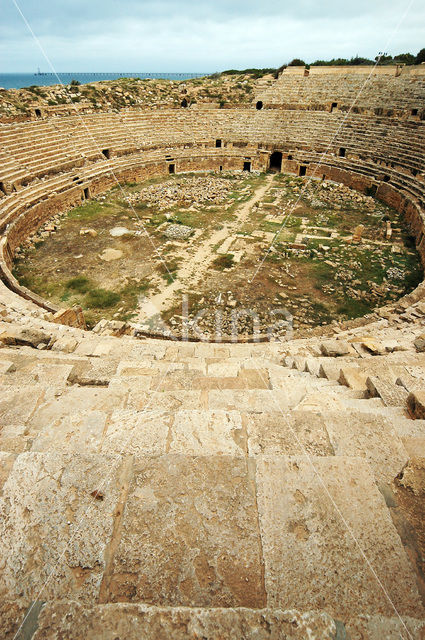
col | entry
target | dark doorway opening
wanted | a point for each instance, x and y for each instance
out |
(259, 105)
(414, 112)
(86, 193)
(106, 153)
(289, 157)
(341, 152)
(184, 103)
(221, 167)
(386, 178)
(302, 170)
(38, 113)
(276, 161)
(334, 105)
(218, 143)
(247, 166)
(171, 168)
(2, 188)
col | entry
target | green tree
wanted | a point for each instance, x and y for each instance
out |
(404, 58)
(420, 57)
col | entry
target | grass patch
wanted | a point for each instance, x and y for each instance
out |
(81, 284)
(169, 271)
(322, 273)
(321, 312)
(351, 308)
(101, 299)
(130, 294)
(223, 262)
(91, 209)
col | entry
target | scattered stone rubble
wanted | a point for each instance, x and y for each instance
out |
(178, 231)
(187, 192)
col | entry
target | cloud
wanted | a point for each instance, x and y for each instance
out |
(183, 35)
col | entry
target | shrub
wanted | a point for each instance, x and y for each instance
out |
(101, 299)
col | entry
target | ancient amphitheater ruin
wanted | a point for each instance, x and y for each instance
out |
(162, 488)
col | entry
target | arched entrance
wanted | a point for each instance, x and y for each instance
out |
(259, 105)
(276, 161)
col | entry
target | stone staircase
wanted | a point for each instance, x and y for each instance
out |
(153, 489)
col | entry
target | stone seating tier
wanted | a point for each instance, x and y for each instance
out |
(33, 150)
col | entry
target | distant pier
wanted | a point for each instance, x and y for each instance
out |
(139, 74)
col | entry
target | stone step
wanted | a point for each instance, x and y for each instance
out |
(202, 531)
(392, 395)
(353, 378)
(370, 436)
(288, 488)
(75, 620)
(330, 370)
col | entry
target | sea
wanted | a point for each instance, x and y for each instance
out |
(40, 79)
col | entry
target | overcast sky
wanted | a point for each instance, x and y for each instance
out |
(201, 35)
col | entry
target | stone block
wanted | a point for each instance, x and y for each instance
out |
(335, 348)
(288, 434)
(14, 335)
(53, 530)
(137, 433)
(189, 535)
(420, 343)
(163, 400)
(353, 378)
(71, 400)
(317, 519)
(75, 432)
(368, 436)
(392, 395)
(73, 621)
(18, 404)
(65, 344)
(207, 433)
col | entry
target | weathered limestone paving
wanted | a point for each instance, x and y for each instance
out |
(157, 488)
